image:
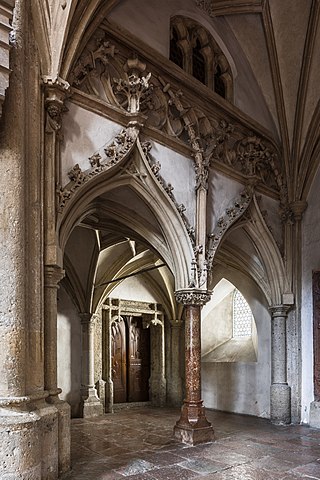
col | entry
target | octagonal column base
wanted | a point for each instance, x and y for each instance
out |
(193, 428)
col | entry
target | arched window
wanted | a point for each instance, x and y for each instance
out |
(242, 316)
(193, 49)
(176, 54)
(198, 63)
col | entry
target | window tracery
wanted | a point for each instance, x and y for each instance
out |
(242, 316)
(194, 50)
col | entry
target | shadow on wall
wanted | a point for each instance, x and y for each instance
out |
(235, 368)
(69, 352)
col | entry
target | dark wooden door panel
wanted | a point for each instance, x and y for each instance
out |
(119, 362)
(130, 358)
(139, 358)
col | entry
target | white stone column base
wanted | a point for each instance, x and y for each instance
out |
(314, 421)
(280, 403)
(64, 439)
(91, 404)
(20, 445)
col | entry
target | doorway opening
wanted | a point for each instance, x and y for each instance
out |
(130, 360)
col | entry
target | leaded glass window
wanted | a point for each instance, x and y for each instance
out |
(242, 316)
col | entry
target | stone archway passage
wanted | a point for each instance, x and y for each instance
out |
(130, 360)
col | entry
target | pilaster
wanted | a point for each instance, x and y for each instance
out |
(52, 276)
(193, 427)
(157, 381)
(91, 405)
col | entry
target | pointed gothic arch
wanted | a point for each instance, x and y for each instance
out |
(172, 241)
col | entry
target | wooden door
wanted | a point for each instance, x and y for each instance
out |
(130, 359)
(119, 362)
(139, 361)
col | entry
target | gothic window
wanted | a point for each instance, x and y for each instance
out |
(242, 316)
(176, 54)
(198, 63)
(194, 50)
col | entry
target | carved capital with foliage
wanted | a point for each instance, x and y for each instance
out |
(192, 296)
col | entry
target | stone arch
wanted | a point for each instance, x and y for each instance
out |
(272, 280)
(174, 244)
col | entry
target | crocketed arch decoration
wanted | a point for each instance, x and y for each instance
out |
(194, 50)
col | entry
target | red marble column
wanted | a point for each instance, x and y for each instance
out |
(193, 427)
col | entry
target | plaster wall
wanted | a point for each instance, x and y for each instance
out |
(69, 352)
(222, 193)
(242, 387)
(310, 262)
(84, 133)
(136, 288)
(179, 171)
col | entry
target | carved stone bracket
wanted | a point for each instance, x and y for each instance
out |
(111, 155)
(56, 92)
(231, 215)
(192, 296)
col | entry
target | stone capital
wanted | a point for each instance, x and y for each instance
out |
(192, 296)
(87, 318)
(53, 274)
(279, 310)
(298, 208)
(176, 322)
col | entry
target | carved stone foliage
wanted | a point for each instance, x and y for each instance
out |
(108, 70)
(109, 156)
(231, 215)
(192, 296)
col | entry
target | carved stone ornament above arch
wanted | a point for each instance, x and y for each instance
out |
(126, 163)
(245, 213)
(177, 109)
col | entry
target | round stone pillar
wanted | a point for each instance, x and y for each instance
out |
(193, 427)
(175, 389)
(52, 276)
(91, 405)
(280, 392)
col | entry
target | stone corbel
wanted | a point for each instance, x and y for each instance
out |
(56, 92)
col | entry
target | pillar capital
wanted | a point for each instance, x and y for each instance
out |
(87, 318)
(53, 274)
(279, 310)
(298, 208)
(176, 322)
(192, 296)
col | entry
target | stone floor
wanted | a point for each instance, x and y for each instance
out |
(137, 444)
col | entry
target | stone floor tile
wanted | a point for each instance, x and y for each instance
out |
(246, 472)
(311, 470)
(172, 473)
(138, 444)
(202, 465)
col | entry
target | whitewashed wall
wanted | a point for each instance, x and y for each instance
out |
(69, 352)
(310, 262)
(242, 387)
